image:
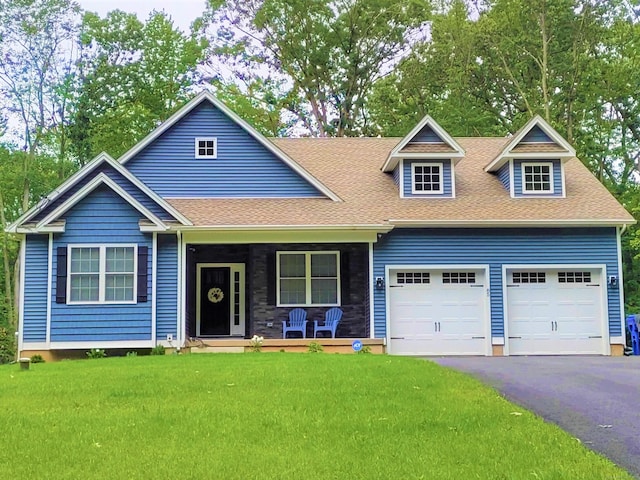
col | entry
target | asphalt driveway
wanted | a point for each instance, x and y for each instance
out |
(595, 399)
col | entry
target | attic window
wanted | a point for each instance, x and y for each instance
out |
(426, 178)
(536, 178)
(206, 147)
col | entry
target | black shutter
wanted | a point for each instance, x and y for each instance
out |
(271, 278)
(61, 276)
(143, 273)
(345, 279)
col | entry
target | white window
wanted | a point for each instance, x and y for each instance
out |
(308, 278)
(102, 274)
(206, 147)
(426, 178)
(537, 178)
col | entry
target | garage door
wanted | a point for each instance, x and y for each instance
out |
(555, 312)
(438, 312)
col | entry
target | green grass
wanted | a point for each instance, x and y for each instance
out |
(246, 416)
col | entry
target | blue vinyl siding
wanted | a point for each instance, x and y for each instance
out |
(504, 174)
(34, 321)
(167, 287)
(495, 247)
(122, 182)
(517, 178)
(446, 178)
(243, 167)
(102, 217)
(426, 135)
(537, 135)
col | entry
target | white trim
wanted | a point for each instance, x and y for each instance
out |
(233, 268)
(401, 186)
(377, 228)
(181, 331)
(563, 181)
(206, 139)
(453, 180)
(197, 100)
(34, 346)
(491, 222)
(102, 273)
(395, 155)
(537, 120)
(71, 181)
(97, 181)
(57, 227)
(23, 258)
(154, 270)
(308, 278)
(497, 340)
(549, 165)
(512, 178)
(49, 287)
(101, 344)
(372, 279)
(440, 166)
(426, 267)
(623, 325)
(604, 309)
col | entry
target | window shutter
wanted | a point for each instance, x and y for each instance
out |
(143, 273)
(271, 279)
(345, 279)
(61, 275)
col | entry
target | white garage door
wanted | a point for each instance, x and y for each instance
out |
(438, 312)
(555, 312)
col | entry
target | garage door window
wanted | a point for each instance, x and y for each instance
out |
(458, 277)
(529, 277)
(574, 277)
(413, 277)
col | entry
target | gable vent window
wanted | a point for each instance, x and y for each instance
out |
(529, 277)
(536, 178)
(206, 147)
(426, 178)
(574, 277)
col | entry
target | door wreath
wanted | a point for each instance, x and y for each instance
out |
(215, 295)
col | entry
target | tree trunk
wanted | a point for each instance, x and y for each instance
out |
(8, 287)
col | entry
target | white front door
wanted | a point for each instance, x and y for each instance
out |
(555, 312)
(438, 312)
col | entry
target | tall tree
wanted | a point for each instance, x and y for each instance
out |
(327, 53)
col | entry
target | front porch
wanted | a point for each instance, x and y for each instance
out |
(329, 345)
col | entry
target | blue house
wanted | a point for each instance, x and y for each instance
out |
(206, 233)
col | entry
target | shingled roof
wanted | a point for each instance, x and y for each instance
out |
(350, 167)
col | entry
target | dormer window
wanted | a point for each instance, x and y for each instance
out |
(537, 178)
(206, 147)
(426, 178)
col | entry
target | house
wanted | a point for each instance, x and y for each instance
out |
(206, 233)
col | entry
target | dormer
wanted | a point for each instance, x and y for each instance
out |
(531, 165)
(423, 163)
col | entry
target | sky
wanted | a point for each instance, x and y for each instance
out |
(183, 12)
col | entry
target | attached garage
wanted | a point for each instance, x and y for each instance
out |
(441, 311)
(556, 311)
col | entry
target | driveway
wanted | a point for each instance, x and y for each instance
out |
(595, 399)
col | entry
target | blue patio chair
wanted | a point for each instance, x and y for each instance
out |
(635, 336)
(297, 322)
(331, 320)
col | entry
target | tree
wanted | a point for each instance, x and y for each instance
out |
(326, 54)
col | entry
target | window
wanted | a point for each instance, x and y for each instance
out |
(574, 277)
(458, 277)
(529, 277)
(308, 278)
(426, 178)
(206, 147)
(536, 178)
(413, 277)
(102, 274)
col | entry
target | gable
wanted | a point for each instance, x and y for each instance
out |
(243, 166)
(536, 135)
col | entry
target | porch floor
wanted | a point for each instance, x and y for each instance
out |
(331, 345)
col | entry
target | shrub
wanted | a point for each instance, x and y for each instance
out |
(315, 347)
(365, 349)
(158, 350)
(96, 353)
(256, 343)
(37, 359)
(132, 354)
(7, 345)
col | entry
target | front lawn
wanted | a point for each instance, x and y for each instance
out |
(279, 415)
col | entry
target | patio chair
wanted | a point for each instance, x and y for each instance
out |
(331, 320)
(297, 322)
(635, 336)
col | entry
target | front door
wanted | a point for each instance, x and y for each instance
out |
(220, 300)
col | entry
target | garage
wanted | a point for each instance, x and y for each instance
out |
(438, 311)
(555, 311)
